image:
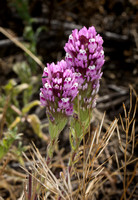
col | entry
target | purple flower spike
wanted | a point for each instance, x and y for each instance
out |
(85, 56)
(60, 87)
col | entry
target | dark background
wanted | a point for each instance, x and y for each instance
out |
(116, 21)
(50, 23)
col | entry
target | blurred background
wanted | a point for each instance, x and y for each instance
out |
(43, 27)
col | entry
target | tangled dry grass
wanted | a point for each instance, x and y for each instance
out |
(103, 158)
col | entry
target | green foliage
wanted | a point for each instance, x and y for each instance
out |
(29, 36)
(7, 141)
(13, 118)
(19, 97)
(23, 71)
(55, 129)
(36, 124)
(30, 105)
(17, 151)
(13, 90)
(9, 86)
(57, 126)
(72, 139)
(17, 93)
(79, 123)
(22, 8)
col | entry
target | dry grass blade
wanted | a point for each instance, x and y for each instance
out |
(19, 44)
(107, 136)
(129, 181)
(117, 161)
(33, 166)
(50, 182)
(133, 191)
(91, 147)
(119, 139)
(8, 187)
(93, 164)
(98, 135)
(93, 187)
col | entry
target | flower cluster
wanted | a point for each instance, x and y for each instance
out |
(80, 72)
(59, 89)
(85, 56)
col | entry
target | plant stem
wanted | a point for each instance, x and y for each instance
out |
(50, 150)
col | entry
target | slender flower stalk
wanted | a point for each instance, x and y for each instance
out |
(58, 93)
(85, 56)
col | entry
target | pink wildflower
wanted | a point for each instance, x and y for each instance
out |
(85, 56)
(59, 89)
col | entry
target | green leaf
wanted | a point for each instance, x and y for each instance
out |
(23, 71)
(30, 105)
(18, 150)
(80, 125)
(10, 85)
(39, 29)
(18, 89)
(15, 122)
(76, 125)
(7, 141)
(27, 94)
(57, 126)
(36, 124)
(29, 33)
(85, 118)
(72, 139)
